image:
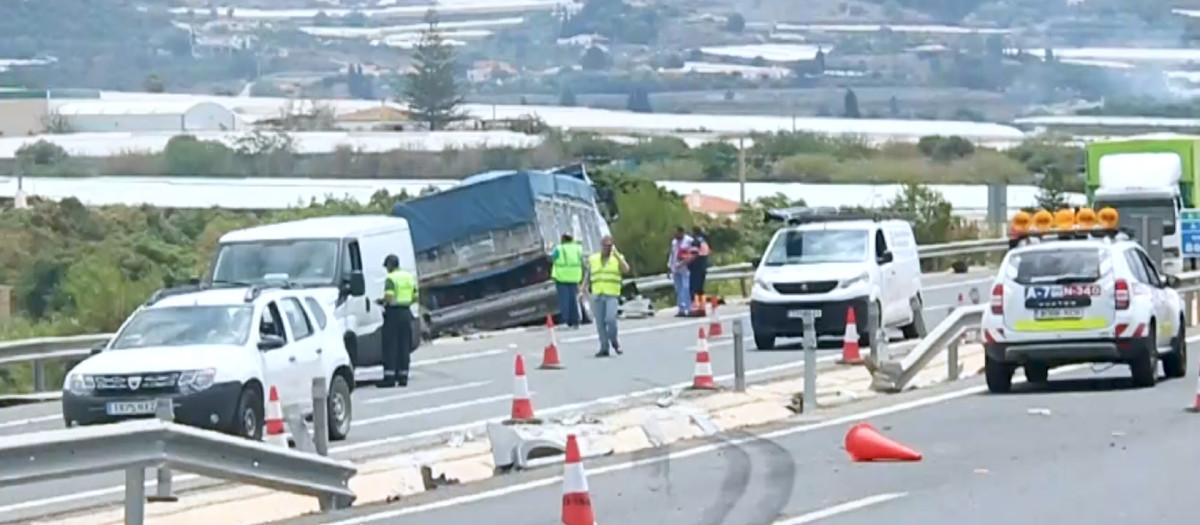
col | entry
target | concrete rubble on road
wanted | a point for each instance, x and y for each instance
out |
(467, 458)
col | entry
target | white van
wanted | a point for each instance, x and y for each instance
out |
(868, 265)
(339, 259)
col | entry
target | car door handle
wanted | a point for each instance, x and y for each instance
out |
(292, 358)
(318, 351)
(367, 301)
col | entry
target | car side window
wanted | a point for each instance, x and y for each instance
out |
(301, 328)
(271, 324)
(318, 313)
(881, 245)
(1151, 271)
(1136, 266)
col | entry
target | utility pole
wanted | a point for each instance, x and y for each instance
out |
(742, 171)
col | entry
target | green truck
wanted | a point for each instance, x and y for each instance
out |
(1151, 180)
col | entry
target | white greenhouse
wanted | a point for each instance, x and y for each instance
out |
(82, 116)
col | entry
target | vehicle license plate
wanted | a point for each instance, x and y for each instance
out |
(1058, 313)
(131, 408)
(799, 314)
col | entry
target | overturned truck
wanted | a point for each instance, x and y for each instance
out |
(482, 246)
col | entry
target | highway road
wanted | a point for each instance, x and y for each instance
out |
(1087, 448)
(462, 384)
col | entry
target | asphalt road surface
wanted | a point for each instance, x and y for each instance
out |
(1087, 448)
(462, 384)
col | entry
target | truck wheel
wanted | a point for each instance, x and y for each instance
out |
(1144, 367)
(1175, 363)
(1037, 373)
(999, 376)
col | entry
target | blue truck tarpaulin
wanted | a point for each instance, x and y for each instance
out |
(481, 203)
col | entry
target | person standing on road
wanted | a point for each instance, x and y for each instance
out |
(604, 272)
(567, 273)
(399, 294)
(698, 268)
(679, 271)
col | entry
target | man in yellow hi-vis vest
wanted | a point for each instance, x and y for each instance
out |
(399, 294)
(604, 272)
(567, 274)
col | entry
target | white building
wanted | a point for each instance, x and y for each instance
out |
(99, 116)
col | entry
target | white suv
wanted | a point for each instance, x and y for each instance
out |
(1082, 298)
(215, 351)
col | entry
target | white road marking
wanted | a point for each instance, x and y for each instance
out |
(522, 487)
(430, 391)
(694, 451)
(30, 421)
(842, 508)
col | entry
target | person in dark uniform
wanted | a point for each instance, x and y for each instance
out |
(399, 294)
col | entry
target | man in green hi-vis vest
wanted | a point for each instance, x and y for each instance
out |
(604, 271)
(399, 294)
(567, 274)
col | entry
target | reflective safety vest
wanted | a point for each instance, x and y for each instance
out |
(403, 289)
(568, 263)
(606, 277)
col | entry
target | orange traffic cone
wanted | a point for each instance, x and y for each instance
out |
(865, 443)
(522, 407)
(714, 326)
(576, 502)
(850, 350)
(274, 420)
(702, 379)
(550, 354)
(1196, 405)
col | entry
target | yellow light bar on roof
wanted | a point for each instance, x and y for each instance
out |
(1043, 221)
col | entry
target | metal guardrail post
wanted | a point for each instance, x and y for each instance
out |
(135, 495)
(39, 375)
(739, 357)
(164, 492)
(810, 360)
(320, 399)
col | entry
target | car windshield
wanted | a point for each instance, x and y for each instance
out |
(304, 262)
(1068, 265)
(187, 325)
(817, 246)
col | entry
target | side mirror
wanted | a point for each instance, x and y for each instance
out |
(1172, 281)
(886, 258)
(755, 262)
(271, 342)
(98, 347)
(356, 284)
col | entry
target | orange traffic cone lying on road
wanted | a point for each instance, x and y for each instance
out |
(850, 350)
(274, 420)
(702, 379)
(865, 443)
(550, 354)
(522, 407)
(714, 326)
(576, 502)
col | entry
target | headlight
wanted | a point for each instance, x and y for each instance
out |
(80, 384)
(193, 381)
(860, 278)
(763, 284)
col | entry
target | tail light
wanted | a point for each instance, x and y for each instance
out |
(998, 299)
(1121, 294)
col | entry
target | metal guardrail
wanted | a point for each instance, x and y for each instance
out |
(134, 446)
(894, 376)
(44, 349)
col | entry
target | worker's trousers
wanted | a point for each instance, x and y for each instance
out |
(604, 314)
(397, 344)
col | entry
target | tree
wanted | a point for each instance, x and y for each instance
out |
(850, 105)
(431, 91)
(1053, 192)
(595, 59)
(639, 101)
(735, 23)
(567, 97)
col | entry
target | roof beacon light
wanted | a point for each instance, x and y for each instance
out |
(1042, 220)
(1108, 218)
(1021, 222)
(1064, 219)
(1085, 218)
